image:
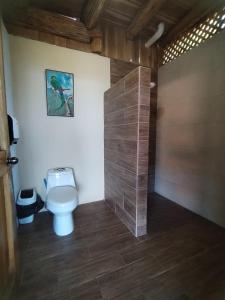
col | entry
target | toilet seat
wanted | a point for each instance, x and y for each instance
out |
(62, 199)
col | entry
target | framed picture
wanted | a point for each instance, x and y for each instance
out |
(59, 93)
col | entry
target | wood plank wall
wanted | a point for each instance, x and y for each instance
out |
(46, 37)
(115, 43)
(126, 119)
(117, 46)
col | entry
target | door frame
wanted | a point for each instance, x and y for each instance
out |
(9, 212)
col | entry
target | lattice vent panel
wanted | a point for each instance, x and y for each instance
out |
(195, 36)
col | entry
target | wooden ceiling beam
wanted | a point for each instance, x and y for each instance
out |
(9, 4)
(92, 12)
(143, 17)
(49, 22)
(21, 3)
(197, 13)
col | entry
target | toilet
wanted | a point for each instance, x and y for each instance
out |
(61, 199)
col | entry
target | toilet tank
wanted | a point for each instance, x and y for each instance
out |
(60, 177)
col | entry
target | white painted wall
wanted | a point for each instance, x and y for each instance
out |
(48, 142)
(9, 101)
(190, 160)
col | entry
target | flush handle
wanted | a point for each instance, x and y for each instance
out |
(12, 161)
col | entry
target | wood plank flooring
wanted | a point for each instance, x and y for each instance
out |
(182, 259)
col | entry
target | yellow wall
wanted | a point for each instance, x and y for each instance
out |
(48, 142)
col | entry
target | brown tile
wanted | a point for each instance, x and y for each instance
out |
(142, 195)
(86, 291)
(124, 132)
(141, 230)
(142, 181)
(126, 219)
(125, 116)
(128, 162)
(131, 294)
(103, 264)
(117, 196)
(120, 172)
(142, 215)
(118, 69)
(132, 79)
(182, 258)
(145, 76)
(124, 190)
(111, 243)
(143, 132)
(115, 91)
(119, 282)
(124, 147)
(143, 148)
(144, 98)
(110, 202)
(143, 166)
(123, 101)
(130, 208)
(127, 124)
(144, 112)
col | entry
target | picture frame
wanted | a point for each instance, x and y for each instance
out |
(59, 93)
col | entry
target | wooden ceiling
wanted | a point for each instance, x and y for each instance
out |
(136, 19)
(124, 13)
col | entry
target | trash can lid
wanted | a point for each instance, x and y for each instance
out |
(30, 198)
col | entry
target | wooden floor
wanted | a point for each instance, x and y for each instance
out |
(183, 257)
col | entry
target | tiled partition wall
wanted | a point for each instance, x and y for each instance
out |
(126, 114)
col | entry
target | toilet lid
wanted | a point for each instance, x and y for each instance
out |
(62, 195)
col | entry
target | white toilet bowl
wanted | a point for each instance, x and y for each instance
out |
(61, 199)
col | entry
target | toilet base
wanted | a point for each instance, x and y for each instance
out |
(63, 223)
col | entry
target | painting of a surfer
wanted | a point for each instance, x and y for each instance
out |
(60, 93)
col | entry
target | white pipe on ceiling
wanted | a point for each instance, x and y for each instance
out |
(156, 35)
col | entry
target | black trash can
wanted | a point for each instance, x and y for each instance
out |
(28, 204)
